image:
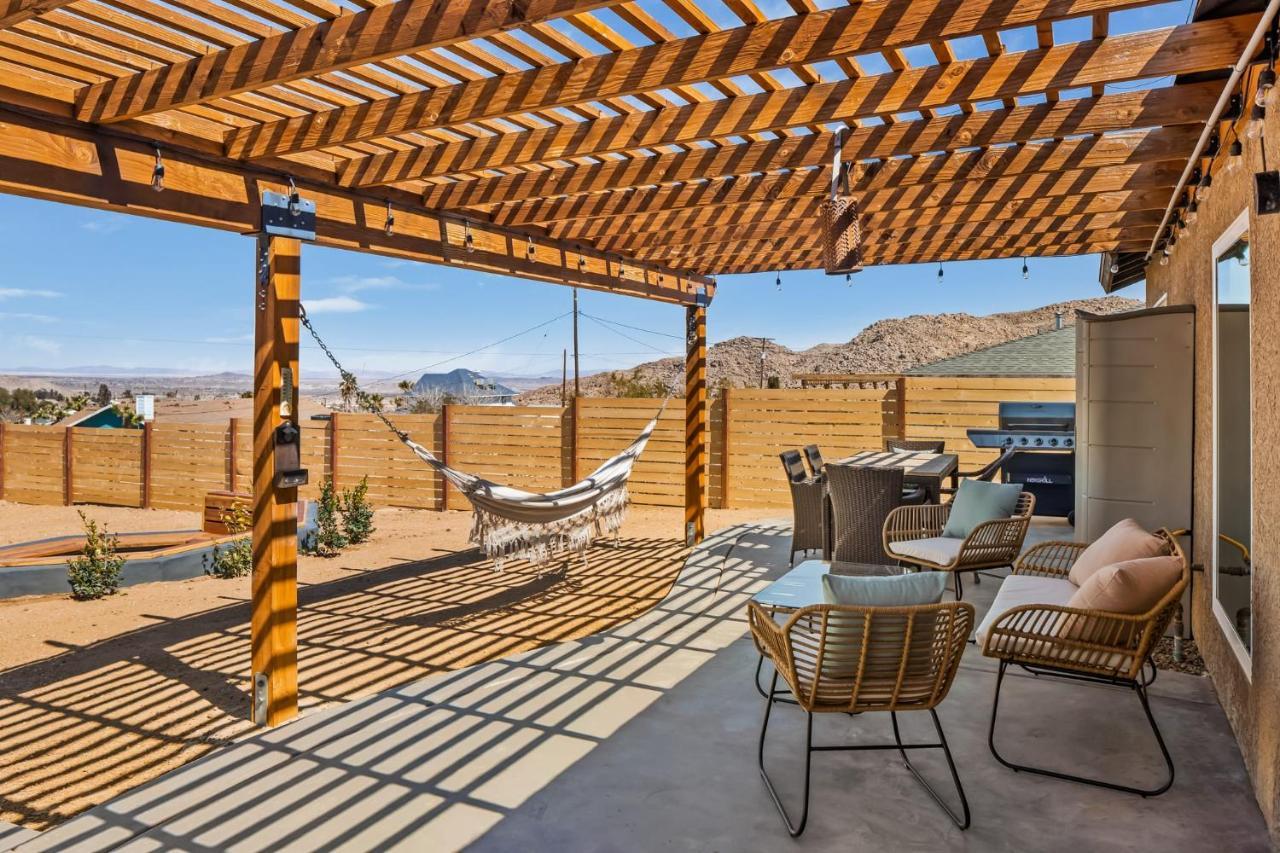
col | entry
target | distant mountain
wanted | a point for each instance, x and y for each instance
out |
(461, 384)
(887, 346)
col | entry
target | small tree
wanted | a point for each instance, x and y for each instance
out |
(328, 540)
(357, 514)
(96, 572)
(103, 397)
(234, 560)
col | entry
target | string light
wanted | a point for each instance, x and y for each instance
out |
(582, 264)
(1026, 273)
(1257, 113)
(1193, 211)
(1205, 184)
(1115, 267)
(1266, 82)
(1234, 152)
(940, 272)
(157, 173)
(1164, 256)
(778, 282)
(295, 200)
(528, 249)
(390, 228)
(848, 279)
(468, 239)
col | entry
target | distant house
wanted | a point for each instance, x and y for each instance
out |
(1051, 353)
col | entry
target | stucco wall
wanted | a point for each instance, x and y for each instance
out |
(1252, 703)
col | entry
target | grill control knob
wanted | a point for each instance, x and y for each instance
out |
(1039, 441)
(1068, 442)
(1053, 442)
(1022, 440)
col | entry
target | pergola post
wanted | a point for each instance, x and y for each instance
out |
(274, 627)
(695, 424)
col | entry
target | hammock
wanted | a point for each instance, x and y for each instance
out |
(514, 524)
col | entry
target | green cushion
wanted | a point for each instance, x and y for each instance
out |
(977, 501)
(881, 591)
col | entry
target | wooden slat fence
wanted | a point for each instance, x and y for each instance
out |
(535, 448)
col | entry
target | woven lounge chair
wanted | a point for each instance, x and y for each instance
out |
(913, 534)
(1090, 645)
(808, 506)
(848, 660)
(861, 500)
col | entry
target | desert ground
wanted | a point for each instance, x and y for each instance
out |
(99, 696)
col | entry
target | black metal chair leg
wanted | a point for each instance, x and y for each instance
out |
(760, 689)
(961, 822)
(959, 587)
(1138, 688)
(794, 829)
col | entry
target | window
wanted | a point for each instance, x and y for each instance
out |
(1233, 445)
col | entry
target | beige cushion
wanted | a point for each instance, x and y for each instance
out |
(939, 550)
(1133, 586)
(1017, 590)
(1126, 540)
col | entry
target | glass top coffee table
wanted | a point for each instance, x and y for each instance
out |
(802, 586)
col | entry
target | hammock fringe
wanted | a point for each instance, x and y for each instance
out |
(502, 539)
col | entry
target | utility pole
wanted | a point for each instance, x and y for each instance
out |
(564, 377)
(763, 342)
(577, 387)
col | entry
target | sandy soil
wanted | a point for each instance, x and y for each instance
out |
(97, 697)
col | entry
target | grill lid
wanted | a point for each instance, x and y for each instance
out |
(1038, 417)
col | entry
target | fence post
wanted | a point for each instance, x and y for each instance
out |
(724, 448)
(333, 449)
(233, 426)
(901, 405)
(68, 477)
(2, 458)
(146, 465)
(573, 442)
(444, 454)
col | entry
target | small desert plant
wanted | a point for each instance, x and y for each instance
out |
(234, 560)
(357, 514)
(96, 573)
(328, 540)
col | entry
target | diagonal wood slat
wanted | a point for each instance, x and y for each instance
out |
(1174, 105)
(378, 33)
(1200, 46)
(13, 12)
(771, 44)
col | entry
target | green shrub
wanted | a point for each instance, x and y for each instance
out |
(234, 560)
(357, 514)
(96, 573)
(328, 540)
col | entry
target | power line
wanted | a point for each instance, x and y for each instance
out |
(633, 328)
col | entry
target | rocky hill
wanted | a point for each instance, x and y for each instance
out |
(887, 346)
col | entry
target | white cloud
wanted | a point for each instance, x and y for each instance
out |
(335, 305)
(32, 318)
(37, 344)
(103, 226)
(357, 283)
(26, 293)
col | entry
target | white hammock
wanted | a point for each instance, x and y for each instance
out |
(515, 524)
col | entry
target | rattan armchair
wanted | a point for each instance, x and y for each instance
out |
(991, 545)
(1090, 645)
(808, 506)
(849, 660)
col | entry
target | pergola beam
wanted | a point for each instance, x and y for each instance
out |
(40, 158)
(383, 32)
(1185, 104)
(14, 12)
(770, 44)
(1202, 46)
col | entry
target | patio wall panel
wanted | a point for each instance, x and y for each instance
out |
(396, 477)
(32, 464)
(606, 426)
(106, 466)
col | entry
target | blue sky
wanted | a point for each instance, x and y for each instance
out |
(82, 287)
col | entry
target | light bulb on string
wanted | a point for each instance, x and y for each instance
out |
(157, 173)
(295, 200)
(1026, 273)
(1253, 129)
(940, 273)
(1234, 154)
(529, 250)
(390, 227)
(1206, 183)
(848, 279)
(1266, 82)
(1193, 211)
(778, 282)
(468, 239)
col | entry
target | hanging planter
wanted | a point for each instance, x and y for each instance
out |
(841, 227)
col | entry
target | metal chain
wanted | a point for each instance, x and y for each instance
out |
(347, 376)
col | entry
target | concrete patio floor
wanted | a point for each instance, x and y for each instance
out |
(643, 738)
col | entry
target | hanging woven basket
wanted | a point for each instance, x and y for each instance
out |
(841, 235)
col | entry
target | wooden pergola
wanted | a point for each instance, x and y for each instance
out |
(630, 147)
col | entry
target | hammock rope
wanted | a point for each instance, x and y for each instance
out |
(511, 523)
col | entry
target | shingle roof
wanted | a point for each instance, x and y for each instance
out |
(1051, 353)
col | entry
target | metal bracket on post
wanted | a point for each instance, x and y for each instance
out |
(261, 698)
(288, 215)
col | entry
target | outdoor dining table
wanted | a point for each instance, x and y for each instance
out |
(919, 468)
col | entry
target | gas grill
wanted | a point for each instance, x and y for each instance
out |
(1042, 438)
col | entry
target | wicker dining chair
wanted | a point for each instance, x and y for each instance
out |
(991, 545)
(808, 506)
(1082, 645)
(814, 457)
(849, 660)
(904, 444)
(861, 499)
